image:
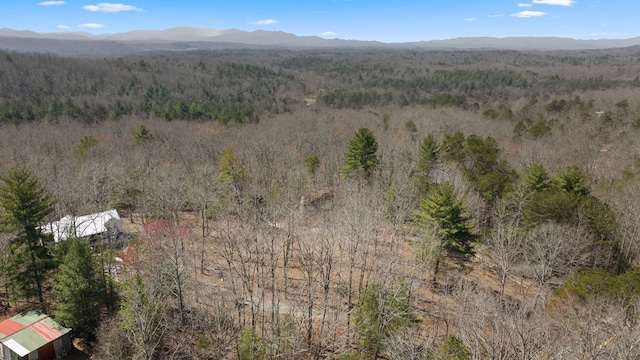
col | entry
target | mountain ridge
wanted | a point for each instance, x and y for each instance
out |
(185, 37)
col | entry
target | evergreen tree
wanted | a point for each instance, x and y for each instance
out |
(86, 144)
(312, 161)
(442, 211)
(381, 314)
(427, 157)
(25, 206)
(452, 349)
(565, 198)
(571, 179)
(453, 146)
(480, 154)
(250, 346)
(491, 176)
(537, 179)
(142, 135)
(77, 290)
(231, 172)
(360, 157)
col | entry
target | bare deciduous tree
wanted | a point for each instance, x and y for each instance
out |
(507, 238)
(555, 250)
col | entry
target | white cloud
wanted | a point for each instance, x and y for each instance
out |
(555, 2)
(51, 3)
(328, 33)
(471, 19)
(496, 15)
(91, 26)
(63, 27)
(266, 22)
(525, 5)
(529, 14)
(111, 8)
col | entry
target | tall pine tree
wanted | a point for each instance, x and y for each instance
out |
(77, 290)
(442, 212)
(427, 158)
(360, 157)
(25, 205)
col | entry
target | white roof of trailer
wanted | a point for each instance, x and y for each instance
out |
(81, 226)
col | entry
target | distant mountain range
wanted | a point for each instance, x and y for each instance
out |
(82, 44)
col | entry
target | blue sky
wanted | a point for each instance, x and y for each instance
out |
(387, 21)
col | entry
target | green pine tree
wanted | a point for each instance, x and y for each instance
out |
(231, 172)
(571, 179)
(427, 156)
(482, 166)
(443, 213)
(452, 349)
(77, 290)
(360, 157)
(86, 144)
(251, 346)
(382, 313)
(312, 162)
(142, 135)
(537, 179)
(25, 205)
(453, 146)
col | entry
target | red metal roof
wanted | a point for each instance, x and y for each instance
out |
(46, 331)
(9, 327)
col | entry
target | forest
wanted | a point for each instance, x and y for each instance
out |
(328, 204)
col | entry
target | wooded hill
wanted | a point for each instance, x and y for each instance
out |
(339, 204)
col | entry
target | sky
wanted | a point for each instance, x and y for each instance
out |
(380, 20)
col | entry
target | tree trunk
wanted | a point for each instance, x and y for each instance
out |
(36, 275)
(203, 217)
(436, 268)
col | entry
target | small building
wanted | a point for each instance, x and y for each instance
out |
(94, 225)
(32, 335)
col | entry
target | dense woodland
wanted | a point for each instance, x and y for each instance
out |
(329, 204)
